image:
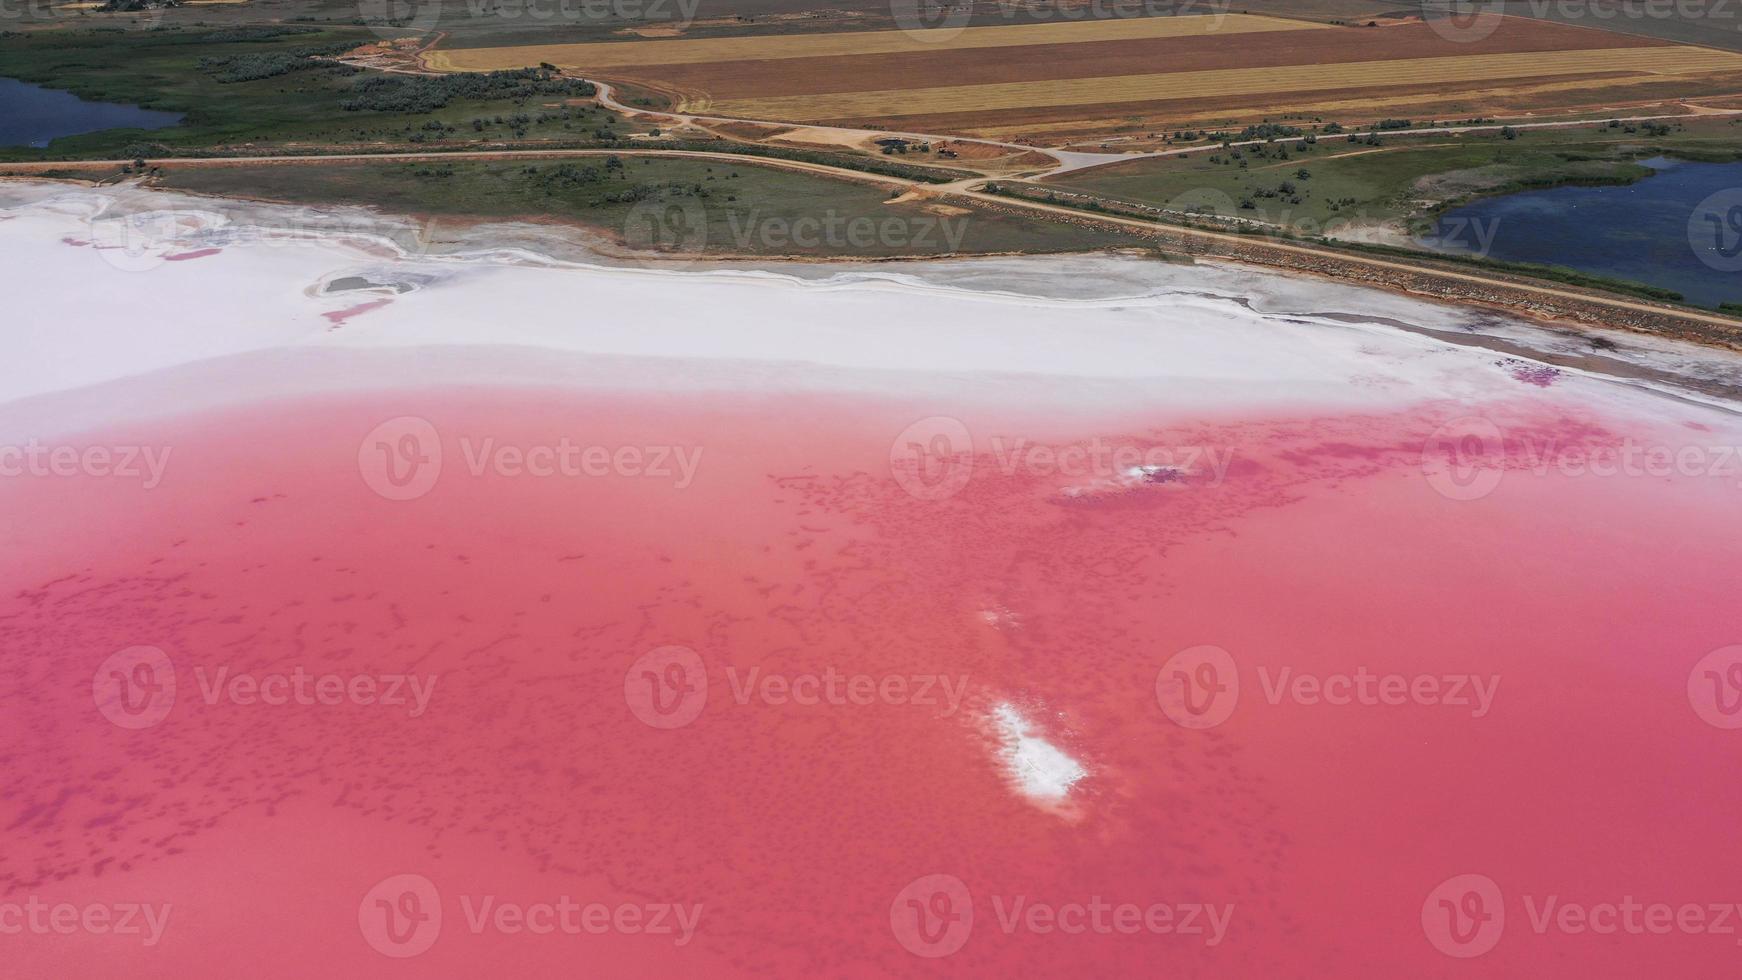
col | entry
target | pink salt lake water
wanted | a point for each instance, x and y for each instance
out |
(856, 839)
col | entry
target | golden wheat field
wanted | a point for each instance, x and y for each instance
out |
(1231, 82)
(1067, 80)
(778, 47)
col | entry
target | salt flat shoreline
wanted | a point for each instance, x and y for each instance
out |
(129, 282)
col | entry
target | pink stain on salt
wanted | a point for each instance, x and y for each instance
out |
(74, 242)
(198, 253)
(1540, 375)
(566, 754)
(338, 317)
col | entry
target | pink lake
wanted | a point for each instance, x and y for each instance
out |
(730, 693)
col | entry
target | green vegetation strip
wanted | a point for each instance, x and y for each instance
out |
(1384, 178)
(267, 90)
(662, 203)
(1427, 260)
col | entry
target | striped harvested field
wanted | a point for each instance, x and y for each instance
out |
(1231, 82)
(1124, 56)
(1069, 81)
(778, 47)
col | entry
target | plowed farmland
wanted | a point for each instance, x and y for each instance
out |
(779, 47)
(1072, 81)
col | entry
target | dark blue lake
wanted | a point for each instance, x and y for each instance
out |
(31, 115)
(1680, 228)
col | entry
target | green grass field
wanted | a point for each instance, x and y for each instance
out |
(747, 209)
(185, 71)
(1337, 183)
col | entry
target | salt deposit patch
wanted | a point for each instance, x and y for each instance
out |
(1041, 770)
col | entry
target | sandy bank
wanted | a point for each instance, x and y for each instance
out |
(128, 282)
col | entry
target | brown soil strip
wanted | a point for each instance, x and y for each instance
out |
(913, 70)
(769, 47)
(1178, 109)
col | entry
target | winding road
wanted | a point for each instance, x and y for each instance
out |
(1070, 161)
